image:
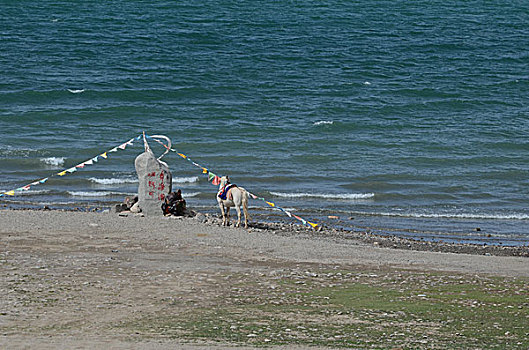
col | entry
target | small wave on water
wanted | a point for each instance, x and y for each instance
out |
(184, 180)
(131, 180)
(74, 91)
(53, 161)
(323, 122)
(113, 181)
(348, 196)
(97, 193)
(450, 215)
(190, 194)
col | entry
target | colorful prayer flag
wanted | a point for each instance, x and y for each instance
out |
(216, 180)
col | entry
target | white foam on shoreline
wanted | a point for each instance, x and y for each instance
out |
(54, 161)
(349, 196)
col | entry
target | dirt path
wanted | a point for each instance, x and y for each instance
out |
(79, 280)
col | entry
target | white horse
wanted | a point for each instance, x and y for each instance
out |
(239, 196)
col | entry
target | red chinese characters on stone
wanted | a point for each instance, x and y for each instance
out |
(156, 185)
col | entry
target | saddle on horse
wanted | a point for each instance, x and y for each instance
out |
(225, 193)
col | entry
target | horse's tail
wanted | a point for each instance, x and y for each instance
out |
(245, 205)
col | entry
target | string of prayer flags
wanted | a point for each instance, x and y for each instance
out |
(290, 215)
(73, 169)
(215, 180)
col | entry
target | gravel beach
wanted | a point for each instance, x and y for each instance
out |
(77, 279)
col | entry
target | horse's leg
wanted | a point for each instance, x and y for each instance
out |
(227, 216)
(223, 214)
(245, 208)
(238, 208)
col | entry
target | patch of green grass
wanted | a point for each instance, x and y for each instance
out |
(411, 310)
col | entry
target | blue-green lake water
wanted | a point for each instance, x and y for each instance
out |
(410, 117)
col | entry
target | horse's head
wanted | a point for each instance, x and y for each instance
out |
(224, 181)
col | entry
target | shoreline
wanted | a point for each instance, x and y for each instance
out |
(76, 222)
(452, 235)
(365, 235)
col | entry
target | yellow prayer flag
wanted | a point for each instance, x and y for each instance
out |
(312, 224)
(62, 173)
(271, 204)
(10, 193)
(182, 155)
(104, 155)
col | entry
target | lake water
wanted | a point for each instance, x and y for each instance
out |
(400, 117)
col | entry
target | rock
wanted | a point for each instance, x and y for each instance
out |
(201, 217)
(155, 182)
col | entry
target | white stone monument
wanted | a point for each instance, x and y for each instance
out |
(155, 180)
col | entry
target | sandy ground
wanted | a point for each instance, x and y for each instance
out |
(72, 280)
